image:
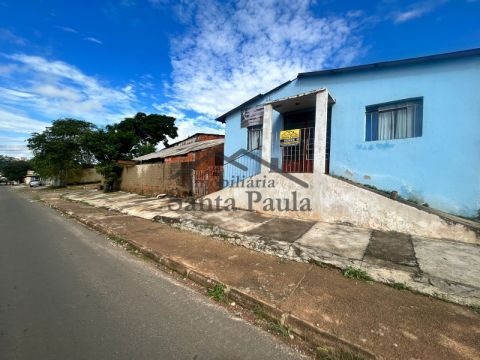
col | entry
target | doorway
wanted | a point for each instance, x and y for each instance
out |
(298, 158)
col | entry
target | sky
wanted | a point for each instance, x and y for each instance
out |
(104, 60)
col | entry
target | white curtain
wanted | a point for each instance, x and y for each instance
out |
(254, 138)
(401, 126)
(396, 123)
(385, 125)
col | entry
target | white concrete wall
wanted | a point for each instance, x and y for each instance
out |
(336, 201)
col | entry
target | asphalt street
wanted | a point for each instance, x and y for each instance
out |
(68, 293)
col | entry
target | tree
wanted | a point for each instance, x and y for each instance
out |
(126, 140)
(59, 151)
(16, 170)
(4, 160)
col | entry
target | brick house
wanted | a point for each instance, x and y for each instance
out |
(193, 166)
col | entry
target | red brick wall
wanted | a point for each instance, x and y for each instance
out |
(174, 176)
(204, 137)
(200, 137)
(158, 178)
(208, 155)
(211, 161)
(190, 157)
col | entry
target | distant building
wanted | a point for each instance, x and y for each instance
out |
(31, 175)
(193, 166)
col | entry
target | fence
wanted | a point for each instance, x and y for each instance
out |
(296, 157)
(242, 166)
(207, 181)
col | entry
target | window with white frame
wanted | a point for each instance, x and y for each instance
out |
(255, 134)
(394, 120)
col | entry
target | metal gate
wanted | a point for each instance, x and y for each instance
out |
(207, 181)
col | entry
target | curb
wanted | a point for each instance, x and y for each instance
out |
(303, 329)
(428, 285)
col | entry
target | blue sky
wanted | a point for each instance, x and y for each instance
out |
(103, 60)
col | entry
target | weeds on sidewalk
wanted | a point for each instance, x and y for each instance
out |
(325, 354)
(273, 326)
(475, 308)
(127, 246)
(260, 313)
(399, 286)
(64, 197)
(217, 293)
(357, 274)
(278, 329)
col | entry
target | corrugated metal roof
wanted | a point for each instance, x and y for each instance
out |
(256, 97)
(383, 64)
(181, 149)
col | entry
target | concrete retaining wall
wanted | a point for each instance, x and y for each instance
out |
(334, 200)
(153, 179)
(86, 176)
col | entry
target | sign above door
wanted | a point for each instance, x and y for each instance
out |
(252, 116)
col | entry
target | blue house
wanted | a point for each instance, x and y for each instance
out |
(410, 128)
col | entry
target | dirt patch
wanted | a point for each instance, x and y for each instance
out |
(282, 229)
(393, 247)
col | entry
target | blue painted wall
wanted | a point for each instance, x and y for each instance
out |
(441, 168)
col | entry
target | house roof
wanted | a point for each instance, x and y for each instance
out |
(191, 136)
(377, 65)
(181, 149)
(253, 99)
(385, 64)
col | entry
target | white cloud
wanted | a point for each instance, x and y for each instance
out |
(76, 32)
(92, 39)
(8, 36)
(14, 150)
(169, 110)
(233, 51)
(416, 10)
(35, 91)
(22, 124)
(54, 89)
(56, 92)
(13, 95)
(67, 29)
(190, 126)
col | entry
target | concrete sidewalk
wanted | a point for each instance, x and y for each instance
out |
(313, 301)
(441, 268)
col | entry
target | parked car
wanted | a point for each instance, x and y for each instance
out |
(35, 183)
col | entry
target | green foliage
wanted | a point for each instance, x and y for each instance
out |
(337, 354)
(475, 308)
(4, 160)
(259, 313)
(217, 293)
(59, 151)
(278, 328)
(68, 145)
(357, 274)
(399, 286)
(146, 131)
(129, 138)
(15, 170)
